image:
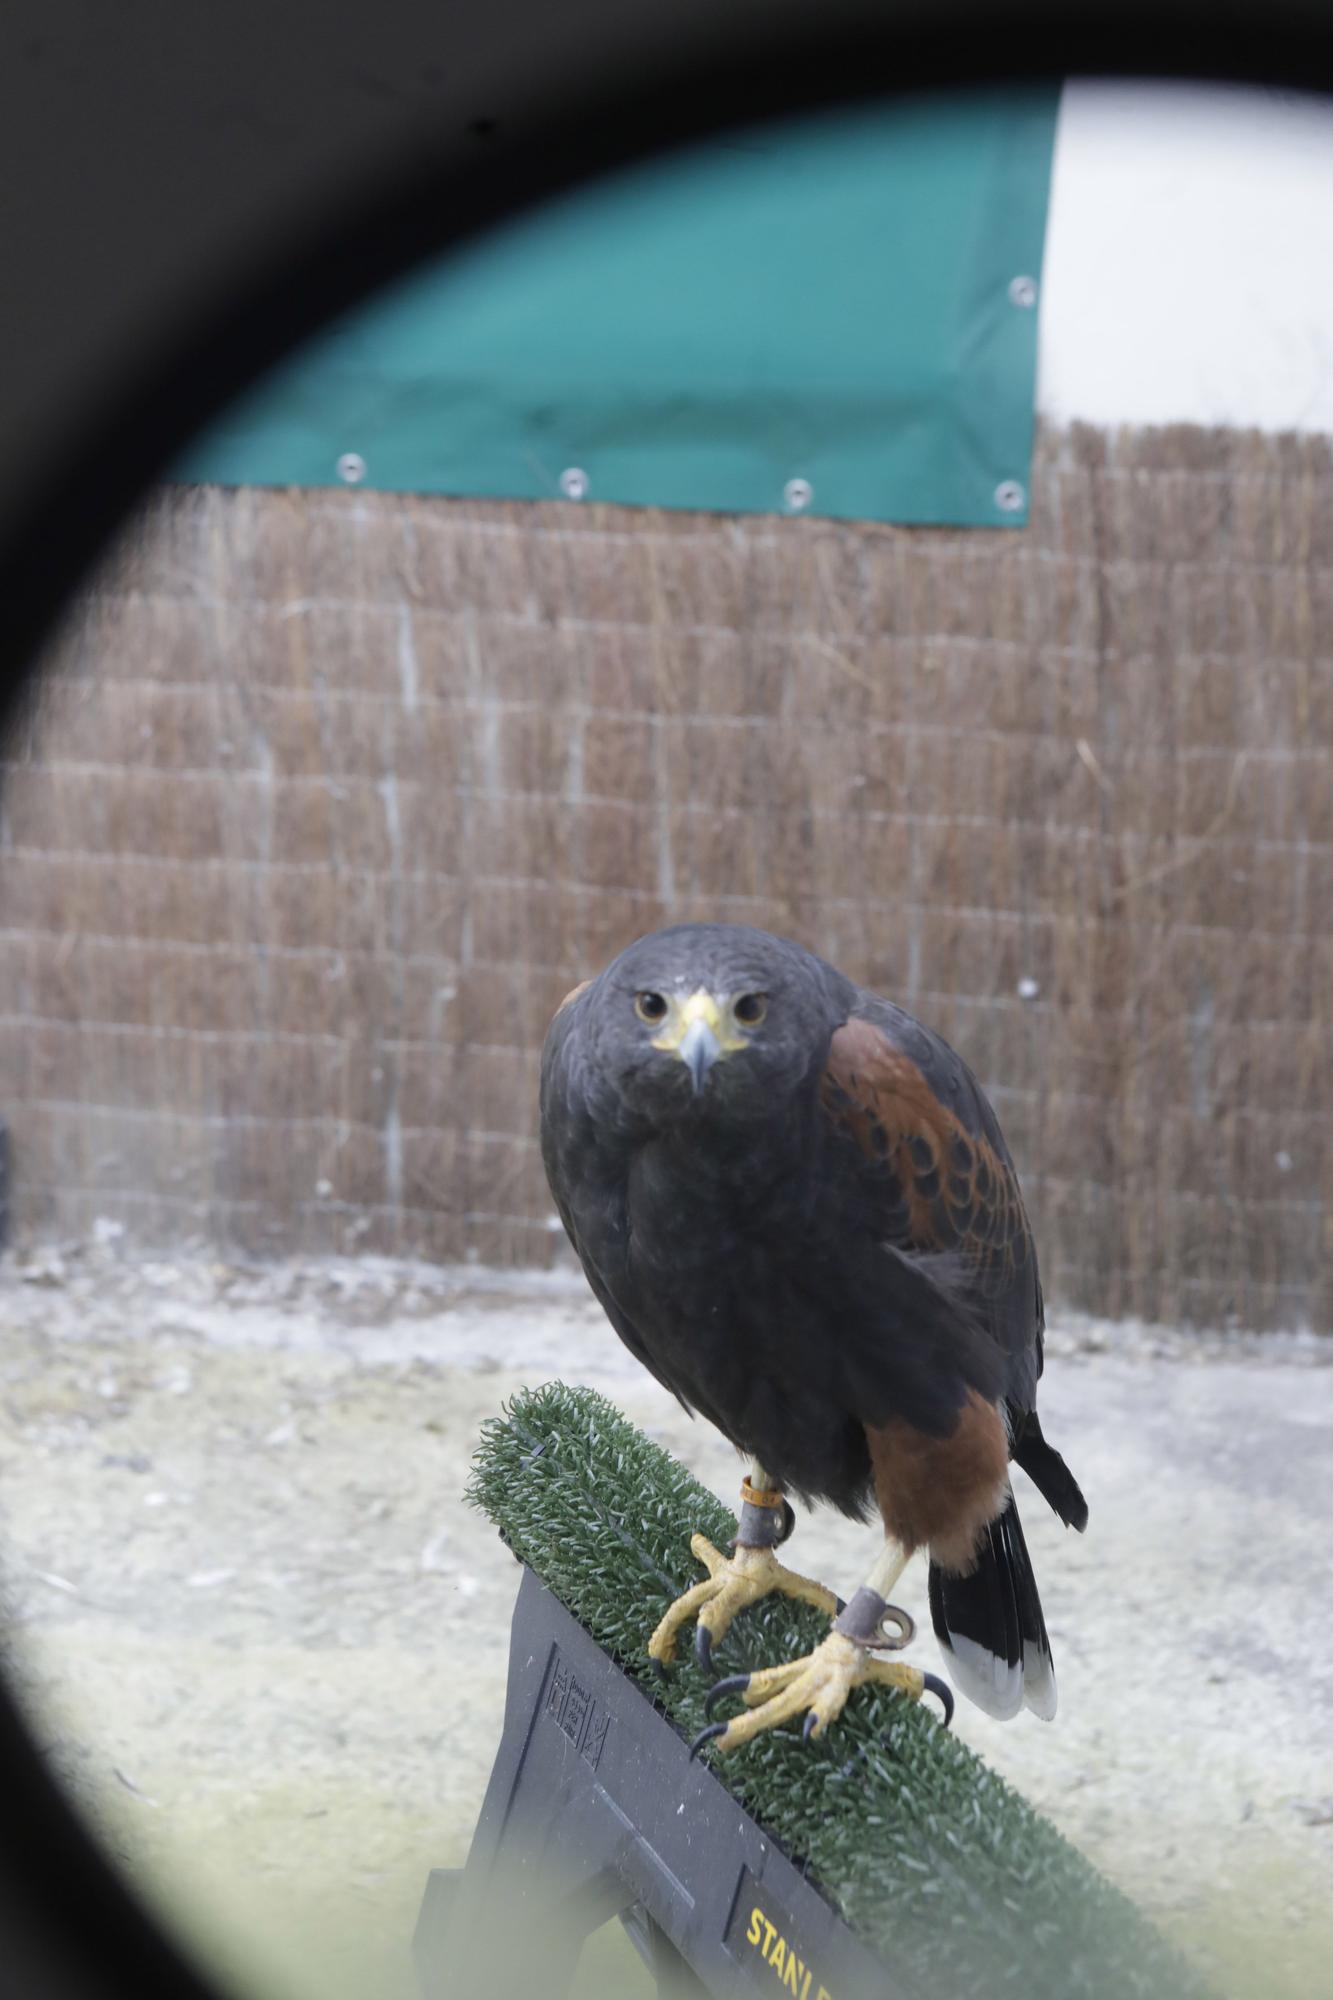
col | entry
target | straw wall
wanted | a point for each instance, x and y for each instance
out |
(334, 795)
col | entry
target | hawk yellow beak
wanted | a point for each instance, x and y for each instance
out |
(698, 1032)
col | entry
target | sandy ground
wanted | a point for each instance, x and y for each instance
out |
(265, 1641)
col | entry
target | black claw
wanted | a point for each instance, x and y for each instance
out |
(732, 1685)
(788, 1524)
(660, 1668)
(703, 1647)
(841, 1603)
(706, 1736)
(943, 1693)
(809, 1729)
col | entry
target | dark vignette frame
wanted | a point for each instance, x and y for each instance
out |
(470, 110)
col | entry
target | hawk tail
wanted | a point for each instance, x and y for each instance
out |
(1049, 1473)
(990, 1626)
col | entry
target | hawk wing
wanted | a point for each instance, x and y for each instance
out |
(926, 1133)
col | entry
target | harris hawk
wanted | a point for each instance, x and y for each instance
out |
(797, 1209)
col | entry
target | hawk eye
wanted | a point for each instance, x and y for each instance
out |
(750, 1009)
(650, 1007)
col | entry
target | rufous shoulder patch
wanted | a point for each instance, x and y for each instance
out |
(958, 1192)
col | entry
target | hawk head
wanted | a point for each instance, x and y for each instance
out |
(712, 1022)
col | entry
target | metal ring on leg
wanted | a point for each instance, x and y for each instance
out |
(892, 1642)
(766, 1518)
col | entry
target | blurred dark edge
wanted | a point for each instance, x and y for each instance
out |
(187, 193)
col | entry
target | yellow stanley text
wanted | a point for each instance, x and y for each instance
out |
(782, 1961)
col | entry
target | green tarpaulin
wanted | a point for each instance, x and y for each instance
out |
(837, 317)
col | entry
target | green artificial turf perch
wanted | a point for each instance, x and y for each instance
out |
(938, 1864)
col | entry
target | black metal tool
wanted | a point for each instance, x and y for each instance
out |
(594, 1810)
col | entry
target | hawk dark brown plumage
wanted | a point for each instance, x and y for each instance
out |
(797, 1208)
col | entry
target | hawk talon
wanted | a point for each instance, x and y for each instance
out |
(734, 1684)
(703, 1647)
(943, 1693)
(706, 1736)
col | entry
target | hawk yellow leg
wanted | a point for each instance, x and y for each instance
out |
(732, 1582)
(752, 1571)
(818, 1685)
